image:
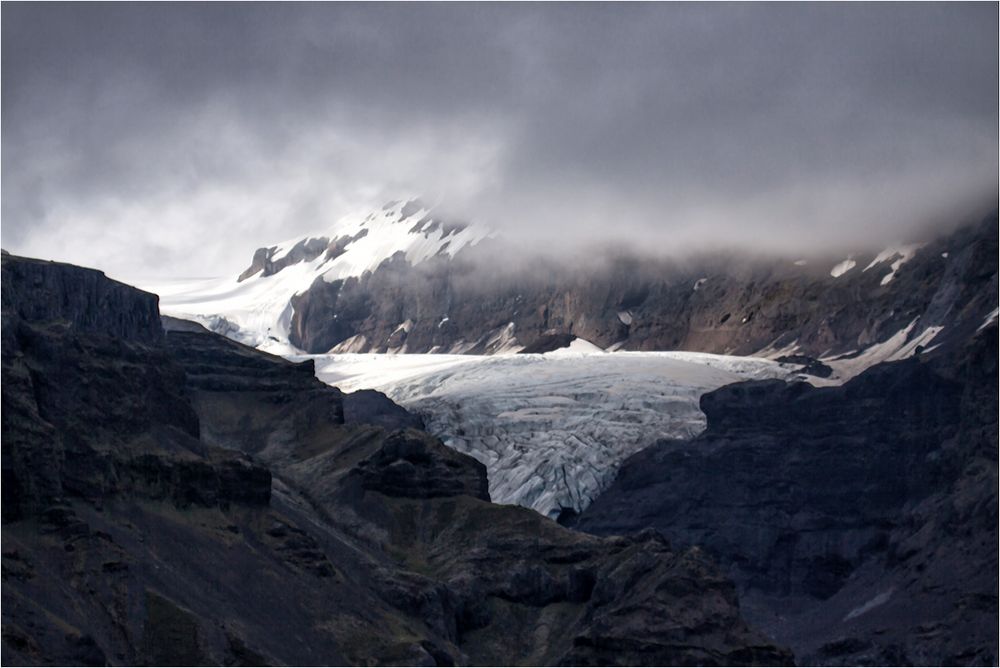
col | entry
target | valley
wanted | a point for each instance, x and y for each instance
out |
(500, 334)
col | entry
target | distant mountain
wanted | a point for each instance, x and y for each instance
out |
(402, 280)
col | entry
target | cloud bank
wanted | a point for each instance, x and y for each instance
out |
(172, 139)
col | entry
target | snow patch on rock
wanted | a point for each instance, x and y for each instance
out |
(875, 601)
(900, 345)
(900, 256)
(843, 267)
(577, 346)
(989, 320)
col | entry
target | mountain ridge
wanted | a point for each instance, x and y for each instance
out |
(437, 297)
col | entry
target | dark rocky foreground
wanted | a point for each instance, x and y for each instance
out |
(175, 498)
(859, 522)
(732, 304)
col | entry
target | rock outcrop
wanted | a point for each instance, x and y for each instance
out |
(93, 406)
(410, 464)
(859, 522)
(85, 299)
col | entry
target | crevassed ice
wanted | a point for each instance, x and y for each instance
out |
(551, 429)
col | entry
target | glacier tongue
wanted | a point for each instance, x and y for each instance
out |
(551, 429)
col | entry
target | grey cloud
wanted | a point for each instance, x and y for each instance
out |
(174, 138)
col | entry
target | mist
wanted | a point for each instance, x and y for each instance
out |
(172, 140)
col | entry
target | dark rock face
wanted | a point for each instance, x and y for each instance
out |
(859, 522)
(267, 261)
(304, 251)
(84, 299)
(372, 407)
(410, 464)
(712, 304)
(224, 365)
(810, 365)
(182, 499)
(93, 406)
(547, 343)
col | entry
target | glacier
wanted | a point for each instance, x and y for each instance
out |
(552, 429)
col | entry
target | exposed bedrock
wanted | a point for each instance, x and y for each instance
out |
(84, 299)
(93, 405)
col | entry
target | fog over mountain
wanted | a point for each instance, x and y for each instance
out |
(172, 140)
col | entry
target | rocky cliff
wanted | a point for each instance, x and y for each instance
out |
(180, 499)
(84, 299)
(859, 522)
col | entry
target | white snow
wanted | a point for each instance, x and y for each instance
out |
(353, 344)
(577, 346)
(700, 282)
(260, 305)
(388, 233)
(625, 317)
(551, 429)
(843, 267)
(877, 600)
(800, 263)
(773, 352)
(989, 319)
(899, 346)
(900, 254)
(503, 340)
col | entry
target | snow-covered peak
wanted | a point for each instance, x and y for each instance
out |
(255, 305)
(361, 242)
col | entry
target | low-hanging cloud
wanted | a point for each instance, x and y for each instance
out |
(172, 139)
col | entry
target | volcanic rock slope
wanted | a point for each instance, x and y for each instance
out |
(859, 522)
(176, 498)
(403, 280)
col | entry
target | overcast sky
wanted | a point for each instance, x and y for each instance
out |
(156, 139)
